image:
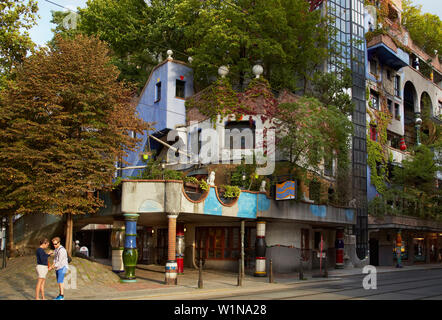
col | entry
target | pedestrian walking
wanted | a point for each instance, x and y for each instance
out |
(42, 268)
(60, 265)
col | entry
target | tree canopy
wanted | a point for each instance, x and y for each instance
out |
(16, 17)
(425, 28)
(284, 36)
(64, 122)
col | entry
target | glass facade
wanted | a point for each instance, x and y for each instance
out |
(350, 45)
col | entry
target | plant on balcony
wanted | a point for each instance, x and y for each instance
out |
(197, 184)
(229, 192)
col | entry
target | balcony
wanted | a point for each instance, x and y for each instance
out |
(388, 53)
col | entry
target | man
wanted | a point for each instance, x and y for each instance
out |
(60, 265)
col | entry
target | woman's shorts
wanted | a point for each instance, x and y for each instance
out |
(42, 271)
(60, 274)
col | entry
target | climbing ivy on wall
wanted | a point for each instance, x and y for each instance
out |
(377, 154)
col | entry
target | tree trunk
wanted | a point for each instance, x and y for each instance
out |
(11, 248)
(69, 229)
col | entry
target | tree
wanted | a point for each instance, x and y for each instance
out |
(413, 188)
(284, 36)
(309, 132)
(425, 28)
(16, 17)
(138, 34)
(63, 123)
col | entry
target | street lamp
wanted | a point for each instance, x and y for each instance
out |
(418, 128)
(163, 166)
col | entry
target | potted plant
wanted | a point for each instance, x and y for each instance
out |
(228, 193)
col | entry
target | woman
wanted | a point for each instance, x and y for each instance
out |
(42, 268)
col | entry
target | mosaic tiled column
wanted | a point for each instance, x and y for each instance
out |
(171, 265)
(130, 253)
(399, 249)
(260, 249)
(339, 249)
(117, 243)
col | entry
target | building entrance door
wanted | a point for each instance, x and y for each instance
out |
(162, 243)
(374, 252)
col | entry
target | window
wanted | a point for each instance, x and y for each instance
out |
(158, 92)
(388, 74)
(328, 164)
(305, 244)
(397, 82)
(317, 240)
(393, 139)
(373, 67)
(397, 112)
(373, 133)
(390, 106)
(374, 99)
(223, 243)
(244, 140)
(180, 89)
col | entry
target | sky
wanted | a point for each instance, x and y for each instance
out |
(41, 33)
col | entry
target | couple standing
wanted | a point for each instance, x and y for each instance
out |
(60, 265)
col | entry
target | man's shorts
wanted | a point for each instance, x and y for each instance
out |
(60, 274)
(42, 271)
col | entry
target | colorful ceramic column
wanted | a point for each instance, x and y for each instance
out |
(117, 243)
(399, 249)
(180, 247)
(339, 249)
(171, 265)
(130, 253)
(260, 249)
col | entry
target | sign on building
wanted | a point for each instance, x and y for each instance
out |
(286, 190)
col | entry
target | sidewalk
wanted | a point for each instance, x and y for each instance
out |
(150, 284)
(97, 282)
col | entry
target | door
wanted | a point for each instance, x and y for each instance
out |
(162, 242)
(374, 252)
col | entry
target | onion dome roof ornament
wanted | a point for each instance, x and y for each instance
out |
(257, 70)
(223, 71)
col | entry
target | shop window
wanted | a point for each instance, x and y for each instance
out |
(317, 240)
(419, 249)
(158, 92)
(223, 243)
(305, 244)
(180, 88)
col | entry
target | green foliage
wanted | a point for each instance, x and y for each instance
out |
(308, 130)
(413, 190)
(230, 191)
(203, 185)
(284, 36)
(154, 171)
(64, 121)
(252, 181)
(377, 163)
(425, 28)
(329, 88)
(16, 17)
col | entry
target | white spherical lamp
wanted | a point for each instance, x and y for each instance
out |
(257, 70)
(223, 71)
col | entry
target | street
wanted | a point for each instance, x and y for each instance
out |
(404, 285)
(407, 285)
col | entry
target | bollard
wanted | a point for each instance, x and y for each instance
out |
(200, 275)
(301, 271)
(271, 271)
(325, 269)
(239, 273)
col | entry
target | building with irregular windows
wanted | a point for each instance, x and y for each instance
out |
(403, 97)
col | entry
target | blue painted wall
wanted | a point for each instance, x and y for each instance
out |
(168, 112)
